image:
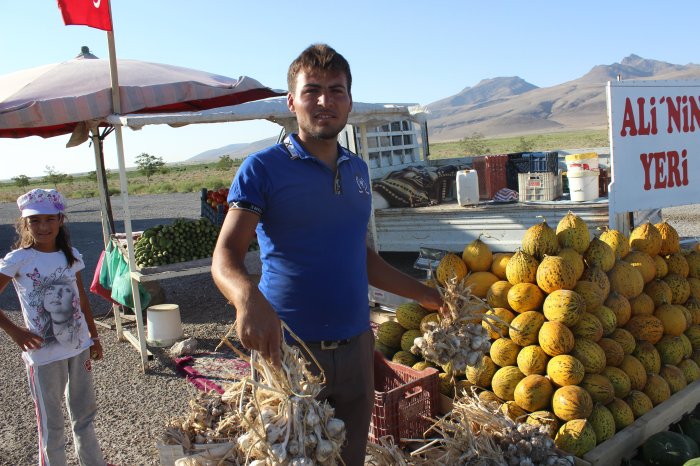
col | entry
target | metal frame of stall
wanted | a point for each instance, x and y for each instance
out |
(274, 110)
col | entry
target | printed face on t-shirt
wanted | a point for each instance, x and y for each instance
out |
(58, 299)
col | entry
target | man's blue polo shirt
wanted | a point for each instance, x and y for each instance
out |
(312, 235)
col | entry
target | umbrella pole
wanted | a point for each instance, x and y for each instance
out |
(105, 204)
(140, 341)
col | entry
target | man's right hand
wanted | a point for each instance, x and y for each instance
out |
(259, 328)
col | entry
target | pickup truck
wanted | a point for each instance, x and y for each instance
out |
(448, 225)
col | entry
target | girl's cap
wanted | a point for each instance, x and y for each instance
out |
(41, 201)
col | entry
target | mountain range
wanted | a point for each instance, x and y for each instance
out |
(510, 106)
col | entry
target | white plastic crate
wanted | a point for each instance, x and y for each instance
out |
(545, 186)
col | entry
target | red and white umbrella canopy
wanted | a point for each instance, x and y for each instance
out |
(51, 100)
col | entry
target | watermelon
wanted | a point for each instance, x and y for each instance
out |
(669, 449)
(690, 426)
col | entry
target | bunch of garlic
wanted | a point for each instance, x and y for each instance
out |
(529, 445)
(284, 422)
(458, 337)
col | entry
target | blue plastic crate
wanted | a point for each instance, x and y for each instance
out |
(542, 162)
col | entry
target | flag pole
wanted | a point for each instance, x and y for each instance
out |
(116, 107)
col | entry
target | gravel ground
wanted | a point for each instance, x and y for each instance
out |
(134, 406)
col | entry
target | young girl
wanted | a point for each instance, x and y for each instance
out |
(60, 337)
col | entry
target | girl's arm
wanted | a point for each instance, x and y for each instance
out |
(25, 339)
(96, 349)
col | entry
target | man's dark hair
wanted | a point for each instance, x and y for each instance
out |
(318, 57)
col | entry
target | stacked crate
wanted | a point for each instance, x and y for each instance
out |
(491, 170)
(542, 180)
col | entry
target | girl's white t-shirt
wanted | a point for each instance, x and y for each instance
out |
(48, 294)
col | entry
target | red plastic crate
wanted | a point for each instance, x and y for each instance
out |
(405, 400)
(492, 174)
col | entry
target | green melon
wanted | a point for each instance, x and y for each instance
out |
(669, 449)
(409, 315)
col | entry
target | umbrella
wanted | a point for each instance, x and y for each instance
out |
(54, 99)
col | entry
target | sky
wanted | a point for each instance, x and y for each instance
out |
(400, 51)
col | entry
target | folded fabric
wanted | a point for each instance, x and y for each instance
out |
(505, 195)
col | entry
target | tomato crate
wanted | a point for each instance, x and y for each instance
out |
(491, 170)
(215, 216)
(539, 186)
(405, 401)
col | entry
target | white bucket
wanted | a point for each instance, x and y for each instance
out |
(467, 187)
(163, 324)
(583, 185)
(581, 162)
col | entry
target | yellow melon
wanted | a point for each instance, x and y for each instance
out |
(670, 241)
(625, 339)
(494, 328)
(555, 338)
(565, 370)
(639, 403)
(498, 264)
(693, 259)
(619, 380)
(477, 256)
(497, 296)
(647, 328)
(642, 305)
(599, 387)
(694, 286)
(450, 267)
(540, 240)
(661, 267)
(625, 279)
(590, 292)
(643, 262)
(576, 437)
(546, 419)
(532, 360)
(482, 374)
(572, 232)
(533, 392)
(511, 410)
(648, 355)
(480, 282)
(603, 423)
(671, 349)
(659, 291)
(588, 326)
(674, 376)
(620, 306)
(672, 318)
(504, 352)
(574, 259)
(690, 369)
(521, 267)
(590, 354)
(657, 389)
(635, 371)
(524, 329)
(607, 319)
(565, 306)
(599, 254)
(504, 382)
(621, 412)
(613, 351)
(571, 402)
(427, 321)
(693, 335)
(617, 241)
(595, 274)
(554, 273)
(647, 238)
(680, 288)
(677, 264)
(523, 297)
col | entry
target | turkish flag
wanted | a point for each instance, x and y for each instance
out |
(93, 13)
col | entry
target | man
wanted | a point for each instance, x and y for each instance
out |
(309, 200)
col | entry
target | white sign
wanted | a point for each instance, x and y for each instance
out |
(654, 144)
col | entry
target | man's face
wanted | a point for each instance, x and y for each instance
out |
(321, 102)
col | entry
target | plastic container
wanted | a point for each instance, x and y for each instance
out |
(539, 186)
(583, 185)
(467, 182)
(541, 162)
(492, 174)
(587, 161)
(405, 400)
(164, 326)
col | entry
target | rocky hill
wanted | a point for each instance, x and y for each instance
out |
(509, 106)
